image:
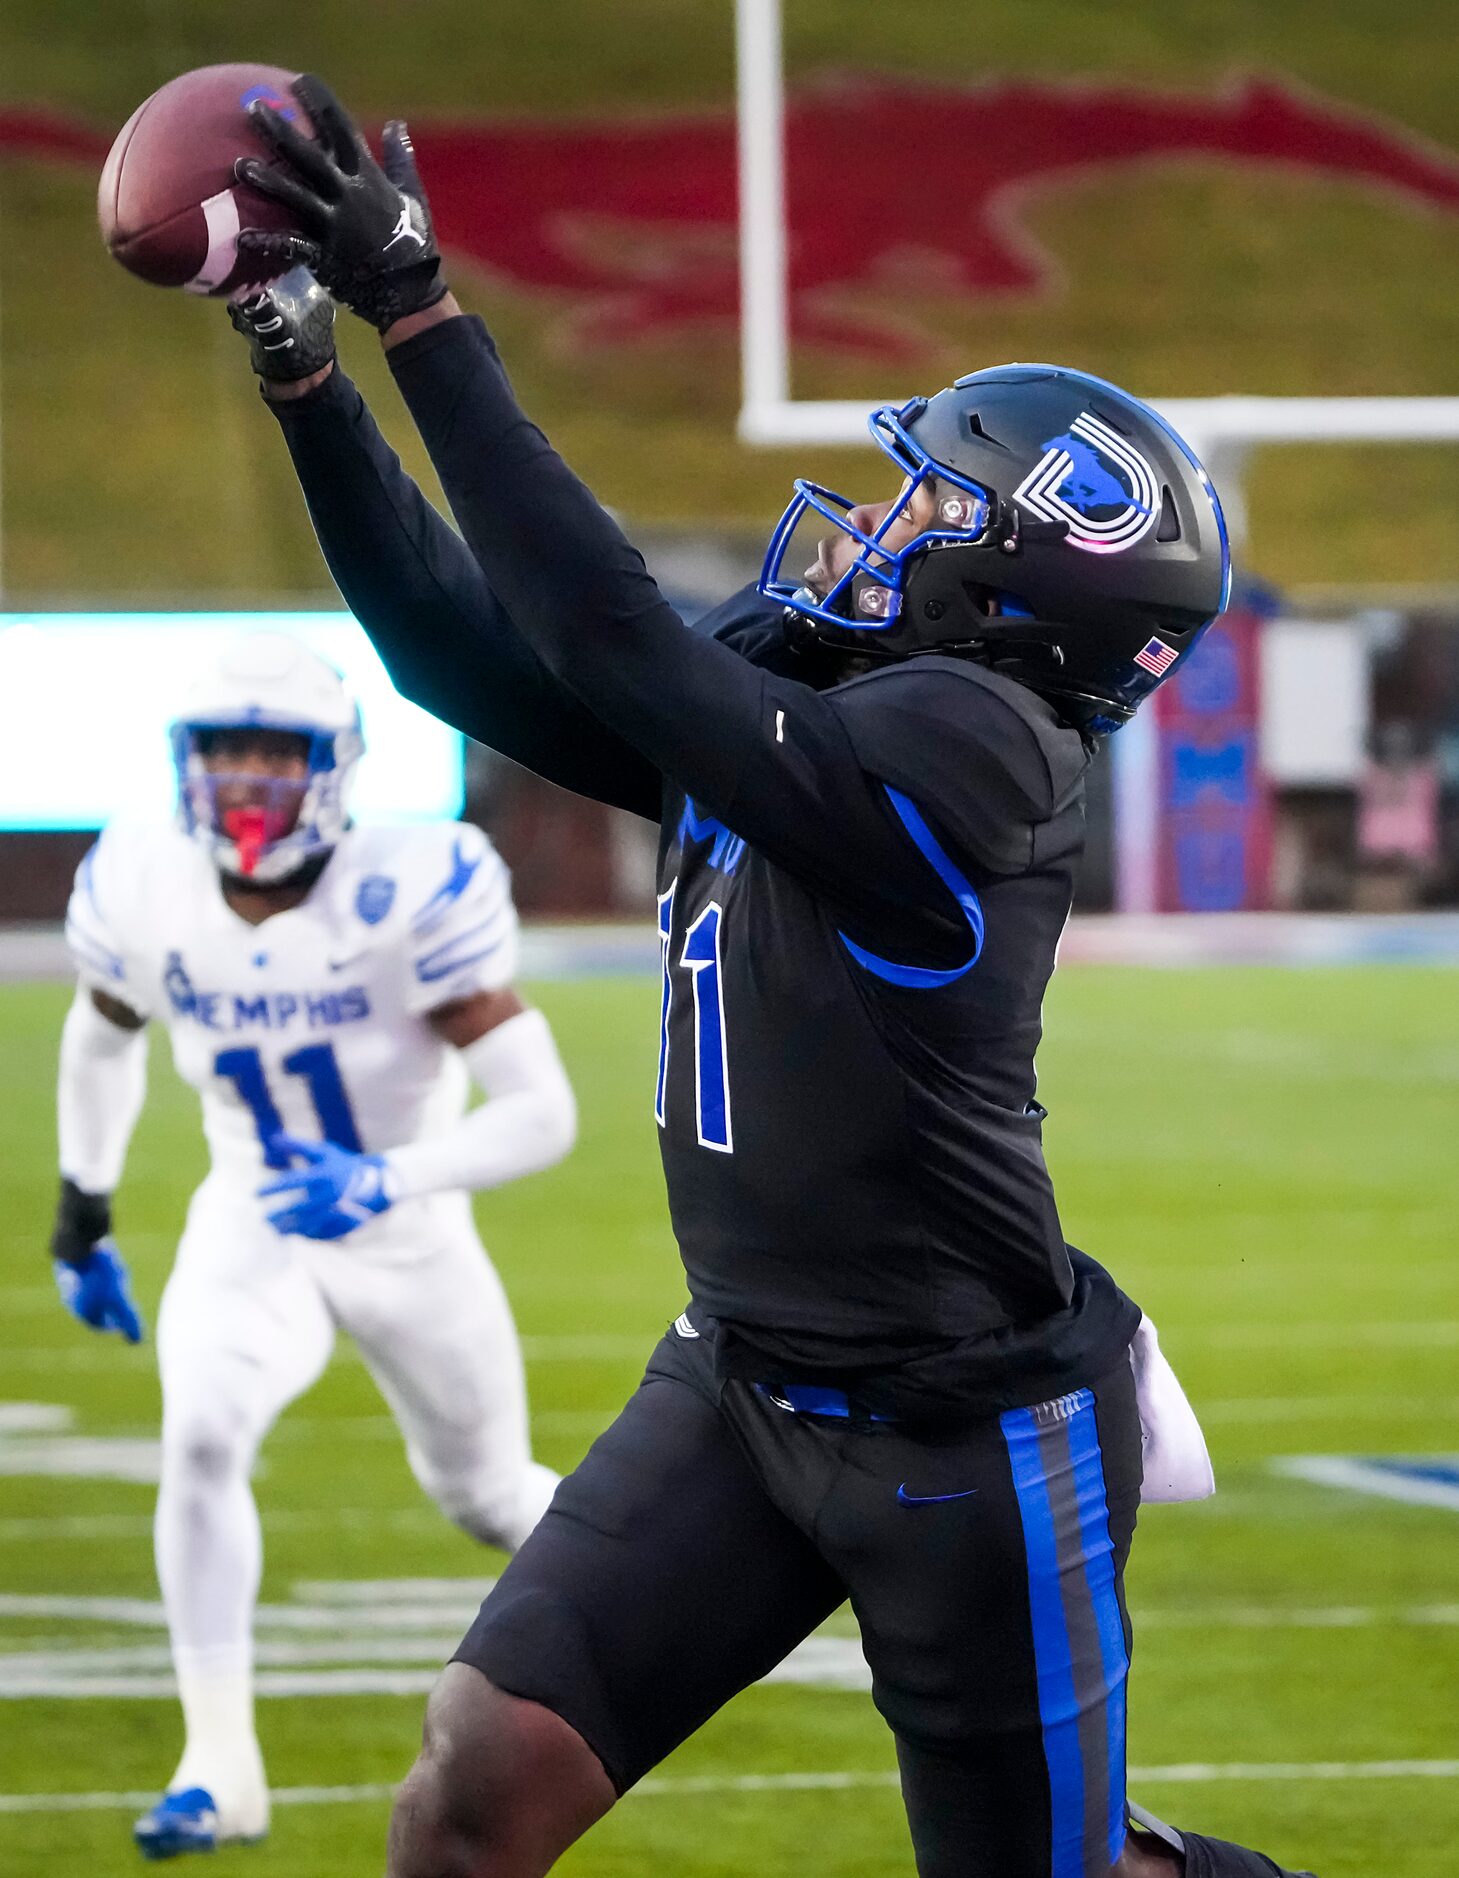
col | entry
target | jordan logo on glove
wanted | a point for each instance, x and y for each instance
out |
(405, 231)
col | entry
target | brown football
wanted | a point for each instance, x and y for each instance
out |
(169, 207)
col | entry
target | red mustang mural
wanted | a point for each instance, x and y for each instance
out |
(633, 219)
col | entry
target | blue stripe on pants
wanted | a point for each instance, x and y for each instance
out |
(1070, 1556)
(1058, 1707)
(1099, 1567)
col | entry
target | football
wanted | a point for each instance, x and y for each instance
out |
(169, 207)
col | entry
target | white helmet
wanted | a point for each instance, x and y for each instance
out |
(267, 681)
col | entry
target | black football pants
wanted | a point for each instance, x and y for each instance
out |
(711, 1529)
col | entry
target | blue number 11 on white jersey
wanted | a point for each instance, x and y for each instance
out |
(700, 957)
(243, 1067)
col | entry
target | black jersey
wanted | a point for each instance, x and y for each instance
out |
(862, 886)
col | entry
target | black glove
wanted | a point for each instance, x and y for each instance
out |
(364, 231)
(83, 1220)
(289, 326)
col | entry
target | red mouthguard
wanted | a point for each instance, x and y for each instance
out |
(250, 831)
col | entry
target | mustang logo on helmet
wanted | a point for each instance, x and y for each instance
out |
(1106, 515)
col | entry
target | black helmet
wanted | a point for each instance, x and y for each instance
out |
(1077, 545)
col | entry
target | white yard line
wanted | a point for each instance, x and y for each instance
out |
(369, 1611)
(59, 1663)
(1318, 1617)
(355, 1648)
(35, 1418)
(390, 1590)
(75, 1526)
(1186, 1773)
(268, 1685)
(322, 1428)
(104, 1356)
(1280, 1408)
(1284, 1335)
(1365, 1476)
(80, 1457)
(311, 1667)
(148, 1613)
(278, 1519)
(1197, 1773)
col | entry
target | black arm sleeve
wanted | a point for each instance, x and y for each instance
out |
(446, 640)
(769, 756)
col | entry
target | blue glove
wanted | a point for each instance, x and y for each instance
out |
(334, 1191)
(97, 1289)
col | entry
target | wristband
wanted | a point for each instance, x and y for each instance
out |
(81, 1220)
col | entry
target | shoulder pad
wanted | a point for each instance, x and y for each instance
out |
(459, 866)
(461, 923)
(116, 887)
(983, 755)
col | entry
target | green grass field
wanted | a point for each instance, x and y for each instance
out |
(1267, 1160)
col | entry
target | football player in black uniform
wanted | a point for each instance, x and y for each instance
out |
(895, 1382)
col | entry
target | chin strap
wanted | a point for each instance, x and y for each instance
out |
(302, 878)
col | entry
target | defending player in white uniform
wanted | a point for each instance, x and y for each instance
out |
(329, 991)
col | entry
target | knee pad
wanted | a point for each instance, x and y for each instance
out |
(206, 1450)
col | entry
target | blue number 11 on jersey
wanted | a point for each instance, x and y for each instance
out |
(700, 957)
(316, 1063)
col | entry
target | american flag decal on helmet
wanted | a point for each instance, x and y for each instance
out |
(1156, 657)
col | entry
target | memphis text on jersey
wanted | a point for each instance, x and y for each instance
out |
(267, 1010)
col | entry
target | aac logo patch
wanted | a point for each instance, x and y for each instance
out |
(179, 987)
(1095, 481)
(374, 898)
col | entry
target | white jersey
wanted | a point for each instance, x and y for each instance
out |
(312, 1023)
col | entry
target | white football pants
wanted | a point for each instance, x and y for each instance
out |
(247, 1324)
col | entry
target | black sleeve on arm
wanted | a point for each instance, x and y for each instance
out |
(767, 755)
(445, 639)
